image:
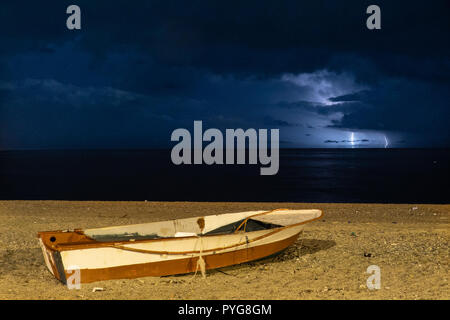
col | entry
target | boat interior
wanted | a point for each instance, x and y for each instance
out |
(188, 227)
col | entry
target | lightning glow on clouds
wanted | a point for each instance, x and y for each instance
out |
(324, 85)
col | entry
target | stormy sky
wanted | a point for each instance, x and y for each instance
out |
(137, 70)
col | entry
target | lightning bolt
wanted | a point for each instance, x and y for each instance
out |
(386, 142)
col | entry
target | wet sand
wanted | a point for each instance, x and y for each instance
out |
(410, 244)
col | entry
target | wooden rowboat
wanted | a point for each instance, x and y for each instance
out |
(171, 247)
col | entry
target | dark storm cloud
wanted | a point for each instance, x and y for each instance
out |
(271, 122)
(320, 108)
(137, 69)
(399, 105)
(356, 96)
(239, 36)
(50, 114)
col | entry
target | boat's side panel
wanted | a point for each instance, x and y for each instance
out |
(104, 257)
(186, 265)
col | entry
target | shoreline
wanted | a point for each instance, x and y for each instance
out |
(409, 242)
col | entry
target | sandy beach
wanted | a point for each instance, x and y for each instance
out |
(409, 242)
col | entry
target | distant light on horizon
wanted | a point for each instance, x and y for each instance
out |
(361, 139)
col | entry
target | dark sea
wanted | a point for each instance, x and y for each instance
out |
(305, 175)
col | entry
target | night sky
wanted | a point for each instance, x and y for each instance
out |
(137, 70)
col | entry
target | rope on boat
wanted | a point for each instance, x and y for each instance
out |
(247, 241)
(201, 251)
(255, 215)
(122, 247)
(200, 262)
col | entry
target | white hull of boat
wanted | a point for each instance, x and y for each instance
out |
(155, 249)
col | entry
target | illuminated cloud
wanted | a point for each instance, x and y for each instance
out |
(103, 87)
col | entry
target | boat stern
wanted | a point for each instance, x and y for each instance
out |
(49, 240)
(52, 258)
